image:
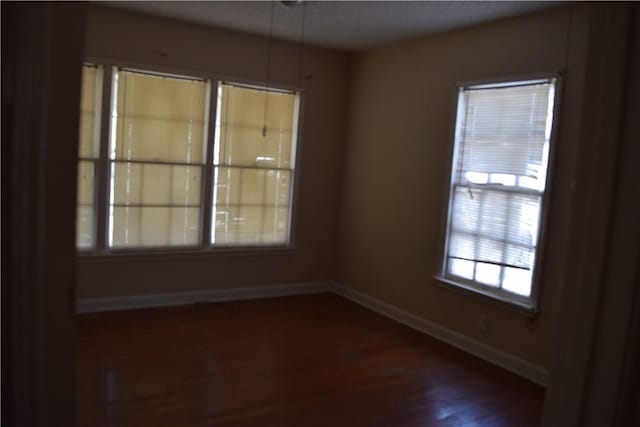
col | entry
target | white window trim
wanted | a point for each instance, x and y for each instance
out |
(101, 250)
(528, 305)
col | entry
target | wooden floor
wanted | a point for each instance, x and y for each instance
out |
(315, 360)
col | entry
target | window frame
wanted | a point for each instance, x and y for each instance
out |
(293, 167)
(101, 250)
(531, 304)
(100, 103)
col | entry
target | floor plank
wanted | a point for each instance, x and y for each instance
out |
(315, 360)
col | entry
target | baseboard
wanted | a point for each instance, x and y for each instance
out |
(534, 373)
(88, 305)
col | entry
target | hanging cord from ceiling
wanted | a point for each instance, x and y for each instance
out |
(269, 47)
(268, 73)
(301, 44)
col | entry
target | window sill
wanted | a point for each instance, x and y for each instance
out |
(520, 307)
(135, 255)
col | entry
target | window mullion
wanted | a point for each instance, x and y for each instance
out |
(476, 248)
(102, 199)
(507, 218)
(207, 182)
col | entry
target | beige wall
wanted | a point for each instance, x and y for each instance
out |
(396, 160)
(140, 40)
(396, 104)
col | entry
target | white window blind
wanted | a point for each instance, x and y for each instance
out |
(88, 148)
(183, 162)
(498, 182)
(253, 159)
(158, 145)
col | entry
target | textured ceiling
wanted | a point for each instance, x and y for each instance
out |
(345, 25)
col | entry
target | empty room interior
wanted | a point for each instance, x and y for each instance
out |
(321, 214)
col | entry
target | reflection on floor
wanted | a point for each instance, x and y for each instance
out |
(315, 360)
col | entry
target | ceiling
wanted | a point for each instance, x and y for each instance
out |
(344, 25)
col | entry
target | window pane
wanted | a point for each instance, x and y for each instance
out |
(86, 183)
(252, 187)
(277, 187)
(88, 142)
(488, 274)
(160, 140)
(461, 268)
(466, 211)
(523, 220)
(226, 225)
(88, 91)
(155, 205)
(161, 97)
(462, 246)
(160, 118)
(517, 280)
(519, 256)
(504, 133)
(502, 178)
(249, 147)
(267, 187)
(251, 202)
(245, 107)
(251, 225)
(155, 226)
(155, 182)
(490, 250)
(84, 227)
(125, 227)
(185, 226)
(186, 188)
(494, 205)
(126, 183)
(87, 147)
(151, 184)
(90, 111)
(254, 154)
(227, 186)
(275, 223)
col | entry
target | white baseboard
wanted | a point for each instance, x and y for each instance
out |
(89, 305)
(534, 373)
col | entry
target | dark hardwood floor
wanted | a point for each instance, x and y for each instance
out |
(315, 360)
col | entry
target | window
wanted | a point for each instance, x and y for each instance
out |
(88, 155)
(188, 162)
(157, 154)
(498, 182)
(253, 161)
